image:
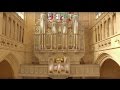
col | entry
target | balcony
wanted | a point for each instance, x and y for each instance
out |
(12, 32)
(111, 42)
(85, 71)
(75, 71)
(7, 43)
(33, 71)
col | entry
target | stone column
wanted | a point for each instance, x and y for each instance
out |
(21, 33)
(117, 23)
(107, 27)
(42, 40)
(11, 26)
(18, 32)
(103, 30)
(2, 23)
(97, 33)
(110, 26)
(7, 31)
(79, 40)
(93, 31)
(100, 31)
(114, 22)
(15, 30)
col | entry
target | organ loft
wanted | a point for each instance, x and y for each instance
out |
(59, 45)
(58, 40)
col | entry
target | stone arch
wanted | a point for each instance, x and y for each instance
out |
(109, 66)
(6, 71)
(12, 60)
(103, 57)
(110, 70)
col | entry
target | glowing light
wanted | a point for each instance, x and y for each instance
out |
(21, 14)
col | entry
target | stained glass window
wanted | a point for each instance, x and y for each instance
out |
(60, 16)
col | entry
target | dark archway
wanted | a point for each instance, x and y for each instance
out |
(6, 71)
(35, 60)
(110, 70)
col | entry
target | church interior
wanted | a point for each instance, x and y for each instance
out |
(59, 45)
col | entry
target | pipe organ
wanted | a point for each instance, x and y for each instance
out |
(58, 42)
(58, 48)
(53, 33)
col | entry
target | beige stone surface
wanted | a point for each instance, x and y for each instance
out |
(100, 45)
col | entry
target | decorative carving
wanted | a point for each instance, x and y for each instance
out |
(59, 65)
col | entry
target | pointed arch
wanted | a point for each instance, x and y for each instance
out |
(12, 60)
(105, 56)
